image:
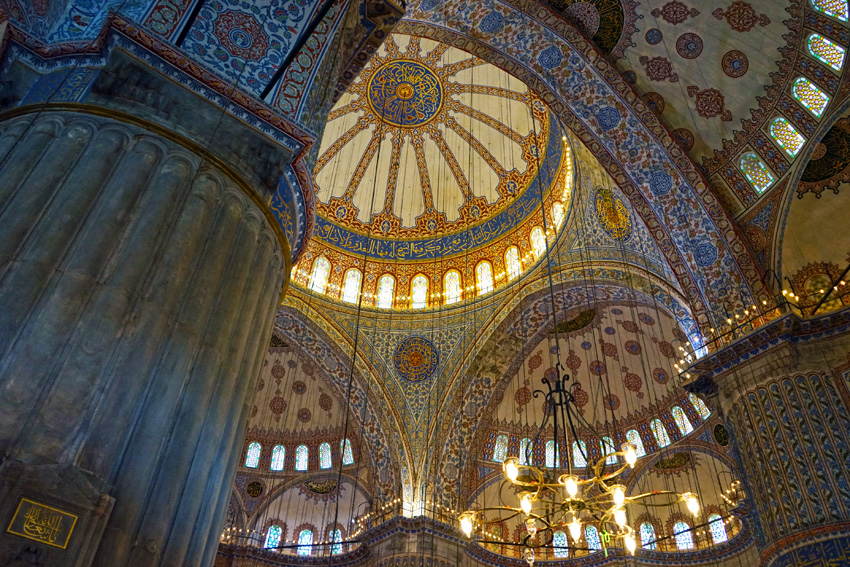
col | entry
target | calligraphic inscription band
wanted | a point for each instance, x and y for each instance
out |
(42, 523)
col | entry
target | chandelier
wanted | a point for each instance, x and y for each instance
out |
(569, 501)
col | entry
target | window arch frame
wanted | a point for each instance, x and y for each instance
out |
(500, 448)
(452, 299)
(606, 445)
(346, 452)
(538, 245)
(639, 447)
(347, 295)
(580, 450)
(526, 451)
(687, 536)
(321, 260)
(479, 285)
(553, 457)
(419, 303)
(683, 423)
(325, 456)
(382, 296)
(558, 218)
(647, 543)
(511, 273)
(653, 425)
(699, 404)
(278, 458)
(829, 13)
(764, 170)
(841, 51)
(560, 545)
(305, 544)
(306, 457)
(782, 122)
(335, 538)
(595, 544)
(715, 519)
(815, 92)
(253, 455)
(278, 531)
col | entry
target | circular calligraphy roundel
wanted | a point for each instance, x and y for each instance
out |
(405, 93)
(416, 359)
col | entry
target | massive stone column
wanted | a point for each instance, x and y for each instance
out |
(138, 283)
(784, 393)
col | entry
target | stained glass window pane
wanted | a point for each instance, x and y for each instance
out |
(810, 96)
(325, 456)
(273, 537)
(301, 454)
(278, 455)
(552, 458)
(558, 214)
(336, 536)
(305, 542)
(526, 452)
(660, 433)
(500, 451)
(607, 446)
(559, 542)
(682, 421)
(386, 289)
(633, 437)
(512, 263)
(347, 454)
(319, 277)
(484, 275)
(252, 460)
(684, 538)
(700, 406)
(419, 292)
(452, 287)
(718, 528)
(591, 534)
(538, 242)
(579, 454)
(786, 136)
(351, 285)
(756, 172)
(647, 536)
(834, 8)
(830, 53)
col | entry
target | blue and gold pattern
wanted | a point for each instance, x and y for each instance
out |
(405, 93)
(416, 359)
(613, 215)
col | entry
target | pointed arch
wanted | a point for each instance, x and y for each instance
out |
(579, 454)
(500, 451)
(788, 138)
(386, 291)
(810, 96)
(484, 277)
(347, 453)
(682, 421)
(278, 458)
(834, 8)
(452, 290)
(633, 437)
(305, 542)
(700, 406)
(302, 455)
(252, 459)
(647, 536)
(826, 51)
(351, 285)
(756, 172)
(273, 537)
(538, 242)
(319, 275)
(608, 450)
(682, 534)
(660, 433)
(526, 451)
(325, 461)
(717, 528)
(513, 265)
(419, 292)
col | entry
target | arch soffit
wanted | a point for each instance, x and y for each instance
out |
(300, 326)
(696, 235)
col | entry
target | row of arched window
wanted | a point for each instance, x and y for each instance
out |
(304, 541)
(606, 444)
(682, 534)
(806, 93)
(302, 454)
(453, 285)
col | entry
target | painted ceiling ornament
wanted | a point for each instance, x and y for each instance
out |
(405, 93)
(673, 462)
(416, 359)
(685, 137)
(658, 69)
(242, 35)
(710, 103)
(655, 102)
(689, 45)
(320, 487)
(735, 64)
(741, 16)
(675, 12)
(613, 215)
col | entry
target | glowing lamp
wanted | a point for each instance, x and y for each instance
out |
(525, 503)
(511, 469)
(691, 500)
(620, 516)
(618, 491)
(575, 529)
(571, 485)
(466, 523)
(631, 454)
(630, 542)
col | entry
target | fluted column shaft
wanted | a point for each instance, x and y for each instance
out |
(138, 284)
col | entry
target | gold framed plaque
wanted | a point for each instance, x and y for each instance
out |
(43, 524)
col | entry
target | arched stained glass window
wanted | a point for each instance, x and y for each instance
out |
(660, 432)
(347, 454)
(810, 96)
(451, 287)
(419, 292)
(718, 528)
(512, 262)
(325, 456)
(500, 451)
(830, 53)
(559, 542)
(647, 536)
(835, 8)
(319, 277)
(351, 285)
(579, 454)
(538, 242)
(682, 421)
(305, 542)
(252, 460)
(607, 446)
(700, 406)
(558, 214)
(301, 456)
(553, 459)
(386, 289)
(786, 136)
(278, 456)
(273, 537)
(591, 534)
(633, 437)
(756, 172)
(526, 452)
(683, 535)
(336, 541)
(484, 277)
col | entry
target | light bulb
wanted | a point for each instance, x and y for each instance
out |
(466, 523)
(525, 503)
(531, 526)
(630, 542)
(692, 502)
(620, 516)
(631, 454)
(618, 491)
(571, 485)
(529, 555)
(575, 528)
(511, 469)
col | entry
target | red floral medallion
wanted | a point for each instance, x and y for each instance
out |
(242, 35)
(710, 103)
